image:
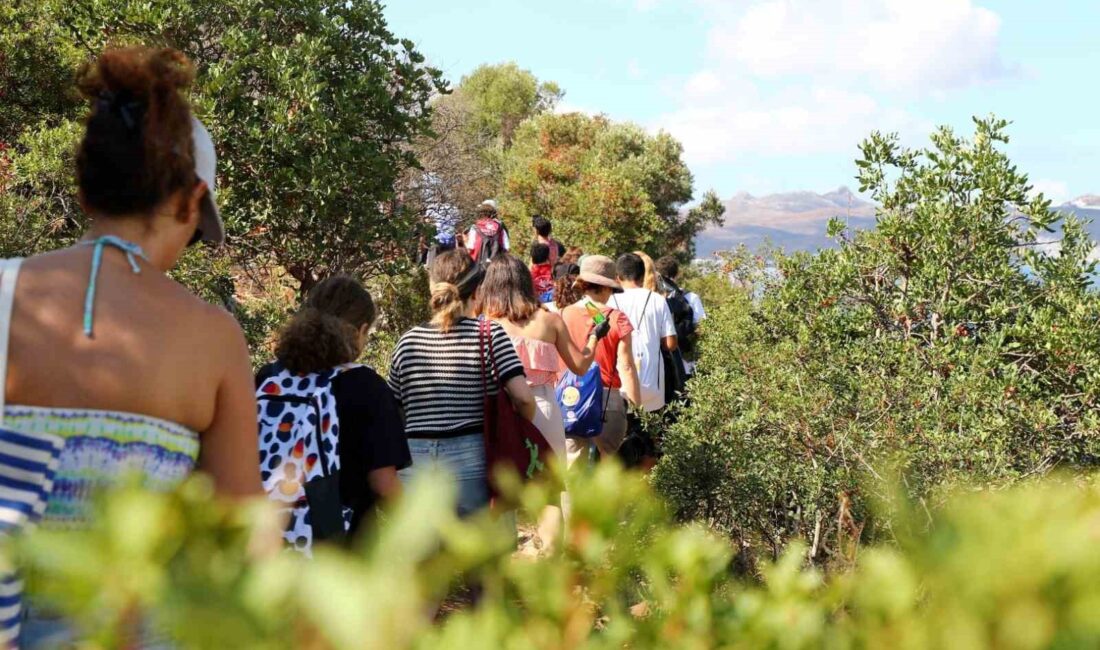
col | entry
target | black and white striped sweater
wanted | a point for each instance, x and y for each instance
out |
(436, 377)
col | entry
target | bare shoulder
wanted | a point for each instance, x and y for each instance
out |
(548, 317)
(222, 334)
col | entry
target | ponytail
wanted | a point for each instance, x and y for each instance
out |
(447, 305)
(455, 279)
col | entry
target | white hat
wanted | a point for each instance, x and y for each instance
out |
(210, 221)
(490, 202)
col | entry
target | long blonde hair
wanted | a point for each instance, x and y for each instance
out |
(452, 284)
(650, 281)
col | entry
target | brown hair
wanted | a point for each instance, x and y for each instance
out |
(136, 149)
(508, 291)
(325, 331)
(453, 283)
(668, 267)
(572, 256)
(566, 291)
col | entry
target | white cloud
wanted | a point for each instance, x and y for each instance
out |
(1055, 191)
(797, 77)
(793, 122)
(914, 45)
(634, 70)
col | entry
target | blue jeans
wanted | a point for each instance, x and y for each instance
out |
(463, 458)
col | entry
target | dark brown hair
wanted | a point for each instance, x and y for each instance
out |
(668, 267)
(572, 256)
(453, 283)
(325, 331)
(566, 292)
(508, 291)
(136, 149)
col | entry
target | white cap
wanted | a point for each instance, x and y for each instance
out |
(210, 221)
(490, 202)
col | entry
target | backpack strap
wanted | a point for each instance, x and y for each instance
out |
(9, 272)
(644, 307)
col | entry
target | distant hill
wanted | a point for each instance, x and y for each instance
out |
(797, 220)
(793, 220)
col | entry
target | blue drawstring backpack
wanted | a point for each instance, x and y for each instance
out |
(579, 399)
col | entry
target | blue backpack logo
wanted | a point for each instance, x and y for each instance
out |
(580, 402)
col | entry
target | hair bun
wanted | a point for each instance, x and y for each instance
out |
(171, 70)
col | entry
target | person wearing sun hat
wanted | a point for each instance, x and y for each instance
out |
(596, 283)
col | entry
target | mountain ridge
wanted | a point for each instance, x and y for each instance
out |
(797, 220)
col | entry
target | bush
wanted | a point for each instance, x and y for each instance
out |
(999, 569)
(952, 341)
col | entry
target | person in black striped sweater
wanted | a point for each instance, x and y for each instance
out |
(436, 377)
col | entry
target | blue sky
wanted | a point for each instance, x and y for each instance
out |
(774, 95)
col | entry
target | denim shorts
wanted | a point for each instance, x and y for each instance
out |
(462, 457)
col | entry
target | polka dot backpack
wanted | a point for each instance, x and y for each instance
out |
(299, 464)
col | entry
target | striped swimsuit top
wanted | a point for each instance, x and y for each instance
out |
(54, 460)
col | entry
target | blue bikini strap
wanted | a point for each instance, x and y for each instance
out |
(130, 249)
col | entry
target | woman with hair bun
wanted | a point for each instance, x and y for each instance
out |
(436, 376)
(109, 367)
(355, 419)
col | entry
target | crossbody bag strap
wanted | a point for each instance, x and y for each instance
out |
(483, 350)
(9, 272)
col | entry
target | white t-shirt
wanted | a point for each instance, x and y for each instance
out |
(648, 312)
(697, 313)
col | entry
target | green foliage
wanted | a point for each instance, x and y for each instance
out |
(607, 187)
(948, 342)
(312, 105)
(503, 96)
(998, 569)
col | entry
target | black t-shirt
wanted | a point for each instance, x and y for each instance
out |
(372, 434)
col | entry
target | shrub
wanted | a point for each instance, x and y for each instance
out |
(997, 569)
(952, 341)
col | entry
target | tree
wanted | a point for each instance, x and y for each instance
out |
(313, 105)
(502, 96)
(608, 187)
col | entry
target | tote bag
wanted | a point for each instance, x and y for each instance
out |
(511, 441)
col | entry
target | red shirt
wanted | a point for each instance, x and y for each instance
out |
(579, 324)
(543, 277)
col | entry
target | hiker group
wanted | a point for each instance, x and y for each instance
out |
(111, 368)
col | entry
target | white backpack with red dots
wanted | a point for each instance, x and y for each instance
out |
(299, 465)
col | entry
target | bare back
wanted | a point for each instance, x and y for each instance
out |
(550, 328)
(156, 350)
(540, 327)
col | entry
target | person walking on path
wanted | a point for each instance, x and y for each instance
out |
(654, 336)
(436, 377)
(109, 366)
(488, 237)
(596, 284)
(686, 316)
(543, 344)
(359, 435)
(542, 273)
(543, 228)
